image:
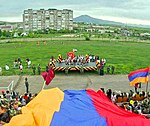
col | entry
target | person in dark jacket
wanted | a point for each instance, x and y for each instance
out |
(26, 85)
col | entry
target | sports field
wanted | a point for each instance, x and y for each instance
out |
(125, 56)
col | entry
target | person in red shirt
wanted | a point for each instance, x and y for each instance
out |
(26, 96)
(136, 87)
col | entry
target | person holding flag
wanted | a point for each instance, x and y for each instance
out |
(139, 76)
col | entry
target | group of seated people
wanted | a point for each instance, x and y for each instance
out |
(80, 60)
(77, 60)
(125, 97)
(11, 104)
(138, 102)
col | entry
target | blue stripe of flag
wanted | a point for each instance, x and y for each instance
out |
(137, 75)
(77, 109)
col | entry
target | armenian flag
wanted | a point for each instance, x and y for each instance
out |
(54, 107)
(139, 76)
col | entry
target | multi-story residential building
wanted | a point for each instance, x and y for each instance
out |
(52, 18)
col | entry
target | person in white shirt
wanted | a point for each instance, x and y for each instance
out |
(113, 97)
(21, 67)
(6, 67)
(29, 63)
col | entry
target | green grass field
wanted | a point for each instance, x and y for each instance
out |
(125, 56)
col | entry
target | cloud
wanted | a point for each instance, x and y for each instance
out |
(120, 8)
(137, 9)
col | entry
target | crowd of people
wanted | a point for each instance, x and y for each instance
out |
(136, 102)
(71, 59)
(12, 102)
(18, 64)
(82, 60)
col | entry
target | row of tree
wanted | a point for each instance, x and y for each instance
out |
(32, 34)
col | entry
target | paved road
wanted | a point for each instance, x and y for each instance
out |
(115, 82)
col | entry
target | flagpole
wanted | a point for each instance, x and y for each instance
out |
(147, 87)
(147, 82)
(43, 85)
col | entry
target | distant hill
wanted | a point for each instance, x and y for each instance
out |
(89, 19)
(6, 23)
(2, 23)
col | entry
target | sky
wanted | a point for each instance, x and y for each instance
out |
(126, 11)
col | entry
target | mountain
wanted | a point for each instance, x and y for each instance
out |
(2, 23)
(89, 20)
(8, 23)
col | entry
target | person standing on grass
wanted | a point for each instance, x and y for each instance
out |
(33, 68)
(0, 71)
(113, 69)
(47, 68)
(26, 85)
(108, 69)
(20, 67)
(39, 69)
(6, 67)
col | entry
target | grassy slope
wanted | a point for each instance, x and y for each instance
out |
(126, 56)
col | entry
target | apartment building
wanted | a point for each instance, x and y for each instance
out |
(52, 18)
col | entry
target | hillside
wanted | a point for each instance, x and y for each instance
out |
(88, 19)
(6, 23)
(91, 20)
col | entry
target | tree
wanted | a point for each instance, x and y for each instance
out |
(0, 33)
(87, 37)
(6, 34)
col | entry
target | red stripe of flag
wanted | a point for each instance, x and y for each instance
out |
(138, 71)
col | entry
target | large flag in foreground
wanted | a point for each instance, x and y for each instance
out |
(48, 76)
(75, 108)
(139, 76)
